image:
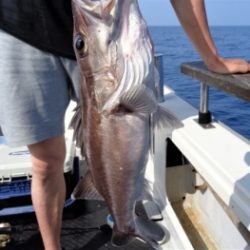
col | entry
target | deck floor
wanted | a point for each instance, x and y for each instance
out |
(79, 231)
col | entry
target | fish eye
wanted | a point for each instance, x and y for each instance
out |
(79, 44)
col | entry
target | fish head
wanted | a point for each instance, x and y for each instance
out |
(92, 33)
(92, 26)
(94, 46)
(112, 47)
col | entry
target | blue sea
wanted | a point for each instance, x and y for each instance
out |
(176, 48)
(232, 42)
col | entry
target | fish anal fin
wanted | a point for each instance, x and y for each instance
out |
(85, 189)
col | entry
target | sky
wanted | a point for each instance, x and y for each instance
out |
(219, 12)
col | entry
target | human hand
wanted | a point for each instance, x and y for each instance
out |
(228, 66)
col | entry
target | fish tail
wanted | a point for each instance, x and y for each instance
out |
(151, 232)
(145, 229)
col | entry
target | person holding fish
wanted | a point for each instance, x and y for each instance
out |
(38, 74)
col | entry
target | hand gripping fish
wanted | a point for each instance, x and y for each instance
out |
(112, 123)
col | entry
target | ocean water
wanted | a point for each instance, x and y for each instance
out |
(176, 48)
(232, 42)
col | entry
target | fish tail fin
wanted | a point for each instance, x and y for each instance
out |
(151, 232)
(143, 228)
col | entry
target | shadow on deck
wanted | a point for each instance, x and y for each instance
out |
(84, 228)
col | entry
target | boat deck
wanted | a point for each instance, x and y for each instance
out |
(84, 227)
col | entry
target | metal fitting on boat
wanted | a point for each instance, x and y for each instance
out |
(204, 114)
(5, 230)
(159, 81)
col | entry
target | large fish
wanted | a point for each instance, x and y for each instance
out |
(112, 123)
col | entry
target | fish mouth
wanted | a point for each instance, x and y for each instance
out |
(87, 5)
(99, 8)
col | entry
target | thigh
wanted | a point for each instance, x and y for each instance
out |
(33, 92)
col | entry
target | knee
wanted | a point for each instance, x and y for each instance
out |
(47, 167)
(47, 158)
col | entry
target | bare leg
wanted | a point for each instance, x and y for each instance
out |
(48, 188)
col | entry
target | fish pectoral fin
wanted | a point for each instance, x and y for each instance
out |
(139, 99)
(85, 189)
(76, 124)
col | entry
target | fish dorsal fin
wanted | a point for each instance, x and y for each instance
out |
(85, 189)
(77, 125)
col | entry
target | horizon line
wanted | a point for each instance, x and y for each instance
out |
(211, 25)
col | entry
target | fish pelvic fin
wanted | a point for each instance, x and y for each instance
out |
(85, 189)
(76, 124)
(163, 118)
